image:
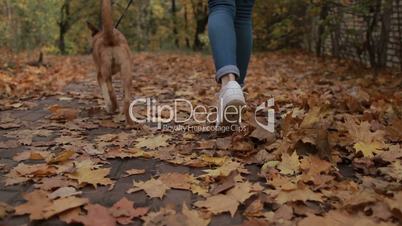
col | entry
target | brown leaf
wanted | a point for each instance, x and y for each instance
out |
(131, 172)
(394, 153)
(31, 155)
(97, 216)
(224, 184)
(39, 206)
(62, 156)
(241, 192)
(229, 202)
(5, 209)
(255, 209)
(263, 135)
(283, 213)
(124, 211)
(337, 218)
(62, 113)
(71, 215)
(178, 180)
(218, 204)
(37, 201)
(281, 182)
(51, 183)
(63, 204)
(153, 142)
(298, 195)
(193, 217)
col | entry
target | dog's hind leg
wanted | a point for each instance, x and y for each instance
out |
(105, 83)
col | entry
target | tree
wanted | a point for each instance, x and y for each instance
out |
(70, 13)
(200, 11)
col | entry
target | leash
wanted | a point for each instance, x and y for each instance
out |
(124, 13)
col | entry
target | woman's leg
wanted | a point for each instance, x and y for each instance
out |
(222, 36)
(244, 36)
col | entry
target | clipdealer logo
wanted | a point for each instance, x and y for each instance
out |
(198, 114)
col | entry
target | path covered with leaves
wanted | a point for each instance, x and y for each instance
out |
(334, 159)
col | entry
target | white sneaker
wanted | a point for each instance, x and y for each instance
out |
(230, 103)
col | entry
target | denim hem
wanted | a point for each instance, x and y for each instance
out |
(228, 69)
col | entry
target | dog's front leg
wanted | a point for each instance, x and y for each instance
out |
(126, 77)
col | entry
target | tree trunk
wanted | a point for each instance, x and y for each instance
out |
(201, 17)
(399, 23)
(62, 42)
(372, 22)
(385, 33)
(64, 25)
(174, 18)
(186, 26)
(321, 27)
(336, 36)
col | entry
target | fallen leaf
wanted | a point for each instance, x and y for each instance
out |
(153, 142)
(154, 188)
(193, 217)
(224, 184)
(51, 183)
(255, 209)
(284, 212)
(85, 174)
(63, 113)
(31, 155)
(281, 182)
(368, 149)
(62, 156)
(298, 195)
(131, 172)
(124, 211)
(224, 170)
(63, 204)
(5, 209)
(337, 218)
(394, 170)
(178, 180)
(218, 204)
(37, 201)
(64, 192)
(97, 216)
(289, 164)
(241, 191)
(161, 217)
(70, 215)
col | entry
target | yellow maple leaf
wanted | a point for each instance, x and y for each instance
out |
(224, 170)
(368, 149)
(86, 174)
(153, 188)
(289, 164)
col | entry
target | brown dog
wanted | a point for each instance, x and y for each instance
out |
(111, 54)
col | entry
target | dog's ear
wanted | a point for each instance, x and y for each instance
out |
(93, 29)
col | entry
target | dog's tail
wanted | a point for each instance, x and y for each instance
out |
(107, 22)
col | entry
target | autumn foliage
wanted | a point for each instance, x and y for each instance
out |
(334, 159)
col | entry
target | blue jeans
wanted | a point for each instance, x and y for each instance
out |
(230, 34)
